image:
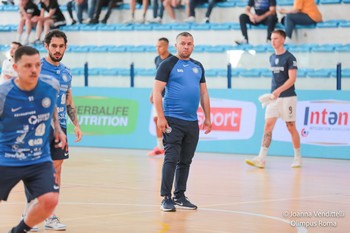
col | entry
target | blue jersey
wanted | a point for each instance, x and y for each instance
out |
(25, 118)
(182, 91)
(64, 77)
(280, 65)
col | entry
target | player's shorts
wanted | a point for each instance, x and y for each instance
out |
(58, 153)
(283, 107)
(38, 179)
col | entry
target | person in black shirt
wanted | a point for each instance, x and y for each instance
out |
(30, 13)
(51, 17)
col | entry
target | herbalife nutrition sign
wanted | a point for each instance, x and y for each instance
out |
(102, 115)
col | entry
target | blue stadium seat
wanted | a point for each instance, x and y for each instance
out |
(346, 1)
(77, 71)
(143, 27)
(321, 73)
(343, 48)
(87, 27)
(261, 48)
(146, 72)
(266, 73)
(95, 71)
(328, 24)
(136, 49)
(324, 48)
(9, 8)
(285, 2)
(75, 27)
(98, 49)
(219, 26)
(124, 72)
(181, 26)
(200, 27)
(109, 72)
(344, 24)
(106, 27)
(5, 28)
(124, 27)
(119, 49)
(345, 73)
(79, 49)
(252, 73)
(226, 4)
(162, 27)
(329, 1)
(211, 73)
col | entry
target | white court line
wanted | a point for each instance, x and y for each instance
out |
(299, 229)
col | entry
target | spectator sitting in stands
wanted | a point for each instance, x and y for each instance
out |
(85, 5)
(103, 3)
(304, 12)
(265, 13)
(30, 15)
(158, 11)
(70, 6)
(51, 17)
(8, 2)
(170, 5)
(145, 4)
(194, 3)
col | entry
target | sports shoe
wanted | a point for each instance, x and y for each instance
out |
(53, 223)
(167, 205)
(206, 20)
(155, 20)
(256, 162)
(156, 151)
(129, 21)
(184, 203)
(297, 162)
(241, 42)
(190, 19)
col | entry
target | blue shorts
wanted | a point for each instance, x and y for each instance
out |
(38, 179)
(58, 153)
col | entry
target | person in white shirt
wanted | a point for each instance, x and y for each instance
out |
(7, 71)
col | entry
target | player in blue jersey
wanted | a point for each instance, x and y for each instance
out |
(27, 106)
(185, 87)
(163, 53)
(56, 43)
(284, 74)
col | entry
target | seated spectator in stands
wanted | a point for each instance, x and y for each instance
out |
(105, 3)
(170, 5)
(264, 13)
(51, 17)
(85, 5)
(158, 11)
(30, 14)
(7, 71)
(304, 12)
(194, 3)
(133, 9)
(70, 7)
(8, 2)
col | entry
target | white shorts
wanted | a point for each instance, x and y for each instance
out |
(283, 107)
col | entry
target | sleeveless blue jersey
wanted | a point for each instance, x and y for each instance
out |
(64, 77)
(280, 65)
(182, 91)
(25, 118)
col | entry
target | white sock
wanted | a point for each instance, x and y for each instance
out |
(19, 38)
(263, 152)
(297, 152)
(160, 143)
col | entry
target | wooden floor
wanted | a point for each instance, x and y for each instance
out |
(112, 191)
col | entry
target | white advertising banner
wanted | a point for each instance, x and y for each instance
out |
(320, 122)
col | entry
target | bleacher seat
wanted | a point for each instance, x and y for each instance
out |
(323, 73)
(329, 1)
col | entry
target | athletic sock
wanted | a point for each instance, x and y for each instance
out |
(21, 228)
(297, 152)
(263, 152)
(160, 143)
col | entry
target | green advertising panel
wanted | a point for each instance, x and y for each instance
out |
(100, 115)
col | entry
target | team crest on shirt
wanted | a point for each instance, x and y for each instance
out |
(46, 102)
(64, 77)
(195, 70)
(276, 61)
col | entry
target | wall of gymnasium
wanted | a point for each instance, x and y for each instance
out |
(122, 118)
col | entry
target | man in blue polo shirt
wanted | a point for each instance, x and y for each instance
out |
(185, 87)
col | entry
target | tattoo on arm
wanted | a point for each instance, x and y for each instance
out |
(267, 139)
(72, 113)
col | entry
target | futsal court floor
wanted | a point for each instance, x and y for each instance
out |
(117, 191)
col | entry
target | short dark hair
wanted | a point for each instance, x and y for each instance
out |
(164, 39)
(16, 43)
(25, 50)
(281, 33)
(55, 33)
(185, 34)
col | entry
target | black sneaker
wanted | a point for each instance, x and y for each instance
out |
(167, 205)
(184, 203)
